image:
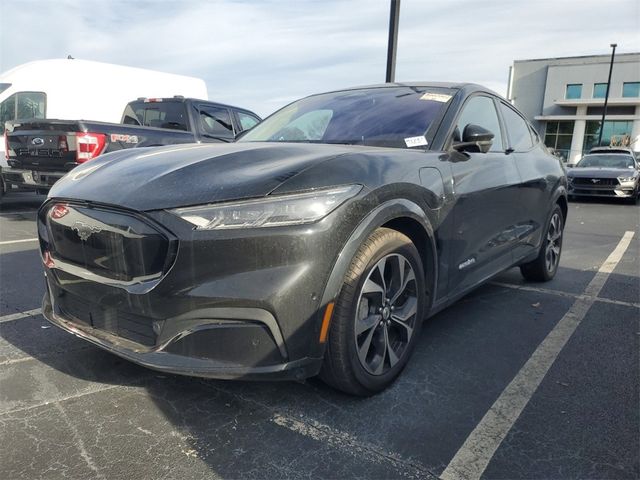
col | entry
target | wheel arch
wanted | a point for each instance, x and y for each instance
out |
(401, 215)
(564, 206)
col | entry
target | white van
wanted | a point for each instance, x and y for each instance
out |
(69, 89)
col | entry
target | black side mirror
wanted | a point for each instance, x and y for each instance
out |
(474, 139)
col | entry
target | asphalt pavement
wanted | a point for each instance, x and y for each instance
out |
(516, 380)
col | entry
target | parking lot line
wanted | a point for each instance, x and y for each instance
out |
(19, 315)
(24, 240)
(559, 293)
(474, 455)
(349, 444)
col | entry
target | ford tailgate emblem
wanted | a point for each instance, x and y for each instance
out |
(37, 141)
(84, 230)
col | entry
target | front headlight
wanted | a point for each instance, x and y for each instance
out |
(290, 209)
(627, 179)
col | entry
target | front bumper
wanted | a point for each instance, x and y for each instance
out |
(610, 191)
(228, 304)
(179, 355)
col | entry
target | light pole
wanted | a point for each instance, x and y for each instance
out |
(606, 95)
(394, 16)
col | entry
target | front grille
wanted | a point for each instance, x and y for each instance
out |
(582, 191)
(116, 246)
(132, 327)
(596, 182)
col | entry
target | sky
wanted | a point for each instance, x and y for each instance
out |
(263, 54)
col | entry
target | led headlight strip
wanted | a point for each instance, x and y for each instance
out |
(280, 210)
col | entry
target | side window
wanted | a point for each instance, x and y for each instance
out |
(7, 111)
(517, 129)
(480, 111)
(215, 121)
(22, 106)
(30, 105)
(247, 121)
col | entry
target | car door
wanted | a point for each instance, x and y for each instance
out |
(536, 168)
(485, 187)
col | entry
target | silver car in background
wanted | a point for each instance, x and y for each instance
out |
(605, 174)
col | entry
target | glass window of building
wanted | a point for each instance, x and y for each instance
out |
(616, 133)
(631, 89)
(574, 90)
(599, 90)
(558, 136)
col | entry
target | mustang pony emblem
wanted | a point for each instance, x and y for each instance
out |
(84, 230)
(595, 180)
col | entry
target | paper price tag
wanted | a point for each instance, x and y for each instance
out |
(436, 97)
(416, 141)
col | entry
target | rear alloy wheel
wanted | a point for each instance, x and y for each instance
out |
(545, 266)
(377, 316)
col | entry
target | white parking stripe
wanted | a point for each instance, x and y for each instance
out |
(24, 240)
(559, 293)
(477, 451)
(346, 443)
(19, 315)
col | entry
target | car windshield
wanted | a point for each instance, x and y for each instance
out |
(387, 117)
(606, 161)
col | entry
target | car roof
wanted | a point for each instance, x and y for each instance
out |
(467, 87)
(181, 99)
(615, 151)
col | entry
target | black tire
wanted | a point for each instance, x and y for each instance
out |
(357, 307)
(545, 266)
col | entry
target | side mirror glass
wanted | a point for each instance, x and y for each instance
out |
(474, 139)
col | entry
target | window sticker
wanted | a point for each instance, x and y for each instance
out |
(436, 97)
(416, 141)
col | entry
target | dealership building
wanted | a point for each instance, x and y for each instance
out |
(564, 99)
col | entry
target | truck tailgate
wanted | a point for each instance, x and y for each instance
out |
(46, 146)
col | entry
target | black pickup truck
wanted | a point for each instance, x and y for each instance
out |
(39, 152)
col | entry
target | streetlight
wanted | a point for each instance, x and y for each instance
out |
(394, 16)
(606, 95)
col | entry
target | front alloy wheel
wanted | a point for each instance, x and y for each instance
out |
(377, 315)
(386, 314)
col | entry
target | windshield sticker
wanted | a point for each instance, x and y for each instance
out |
(416, 141)
(436, 97)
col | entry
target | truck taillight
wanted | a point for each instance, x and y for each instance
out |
(89, 145)
(6, 146)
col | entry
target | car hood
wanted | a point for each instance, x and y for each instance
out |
(177, 176)
(599, 172)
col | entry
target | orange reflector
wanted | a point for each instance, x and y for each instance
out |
(326, 321)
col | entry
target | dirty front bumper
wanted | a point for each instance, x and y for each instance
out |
(171, 357)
